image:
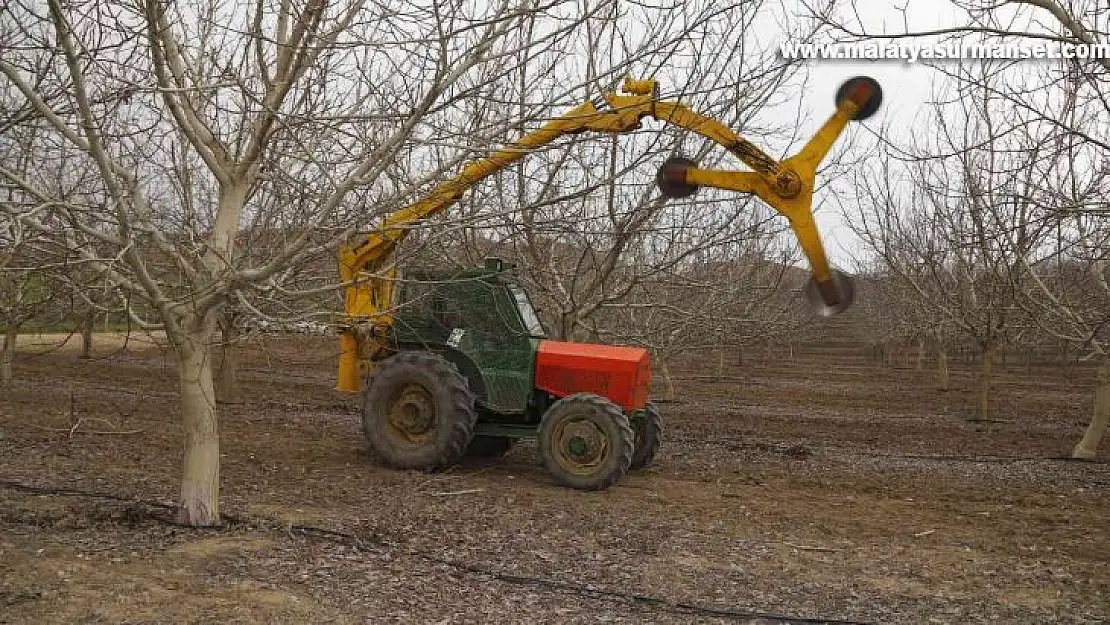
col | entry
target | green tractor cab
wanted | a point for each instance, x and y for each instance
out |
(469, 370)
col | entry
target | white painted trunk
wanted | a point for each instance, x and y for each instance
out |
(200, 480)
(7, 354)
(1088, 447)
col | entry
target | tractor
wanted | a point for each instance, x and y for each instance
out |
(454, 363)
(473, 371)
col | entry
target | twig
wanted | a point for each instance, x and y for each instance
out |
(72, 430)
(811, 548)
(924, 534)
(457, 492)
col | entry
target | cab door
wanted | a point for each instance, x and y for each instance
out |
(491, 333)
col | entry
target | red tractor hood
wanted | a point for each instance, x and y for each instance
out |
(622, 374)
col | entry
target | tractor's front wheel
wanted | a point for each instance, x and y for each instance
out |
(586, 442)
(419, 412)
(647, 427)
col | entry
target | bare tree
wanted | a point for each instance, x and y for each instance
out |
(26, 287)
(25, 290)
(198, 117)
(952, 219)
(1067, 285)
(1056, 111)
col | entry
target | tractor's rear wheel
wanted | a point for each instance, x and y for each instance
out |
(586, 442)
(647, 428)
(489, 446)
(418, 412)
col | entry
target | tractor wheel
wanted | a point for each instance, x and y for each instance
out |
(586, 442)
(648, 431)
(489, 446)
(419, 412)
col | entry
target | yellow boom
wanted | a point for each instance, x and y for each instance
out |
(786, 186)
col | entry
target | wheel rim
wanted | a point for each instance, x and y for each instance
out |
(412, 415)
(581, 446)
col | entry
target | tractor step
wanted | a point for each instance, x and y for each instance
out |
(506, 430)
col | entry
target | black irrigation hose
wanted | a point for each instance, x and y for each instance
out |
(680, 607)
(71, 492)
(312, 531)
(746, 444)
(986, 459)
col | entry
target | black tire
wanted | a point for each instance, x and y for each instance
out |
(671, 176)
(586, 442)
(489, 446)
(647, 429)
(842, 288)
(418, 412)
(873, 103)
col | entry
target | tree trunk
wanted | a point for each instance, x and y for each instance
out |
(1088, 447)
(227, 382)
(200, 480)
(668, 381)
(87, 334)
(942, 368)
(7, 353)
(983, 407)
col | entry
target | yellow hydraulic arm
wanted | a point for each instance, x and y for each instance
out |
(786, 186)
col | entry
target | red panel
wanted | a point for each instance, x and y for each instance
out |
(622, 374)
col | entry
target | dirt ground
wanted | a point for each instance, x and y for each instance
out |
(823, 488)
